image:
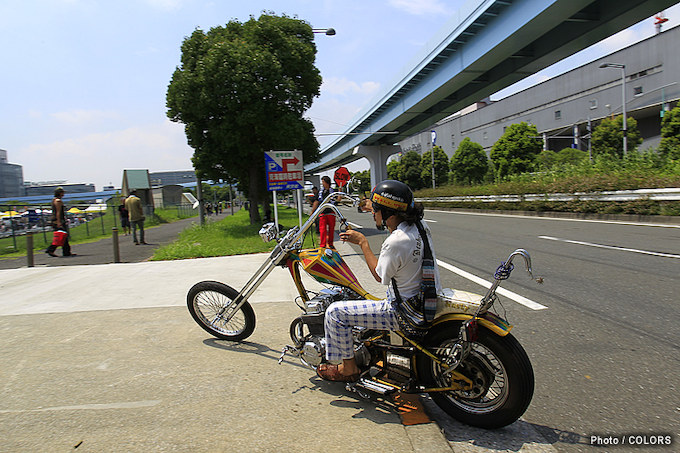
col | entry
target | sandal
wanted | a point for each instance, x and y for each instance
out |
(329, 372)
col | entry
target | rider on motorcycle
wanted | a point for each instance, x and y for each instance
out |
(400, 259)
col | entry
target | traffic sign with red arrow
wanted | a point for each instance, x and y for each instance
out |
(284, 170)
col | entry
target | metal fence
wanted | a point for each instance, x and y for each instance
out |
(84, 221)
(670, 194)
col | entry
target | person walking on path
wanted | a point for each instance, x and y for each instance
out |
(136, 212)
(124, 217)
(59, 223)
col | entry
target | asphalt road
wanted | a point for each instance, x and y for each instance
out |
(605, 348)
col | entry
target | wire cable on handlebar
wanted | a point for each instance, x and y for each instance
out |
(503, 273)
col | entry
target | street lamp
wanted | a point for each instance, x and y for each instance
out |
(622, 67)
(325, 31)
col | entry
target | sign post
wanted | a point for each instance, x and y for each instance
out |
(284, 172)
(434, 141)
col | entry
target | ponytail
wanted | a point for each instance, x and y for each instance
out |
(414, 213)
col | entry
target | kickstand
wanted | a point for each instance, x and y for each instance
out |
(286, 349)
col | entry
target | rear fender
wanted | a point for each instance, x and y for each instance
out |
(492, 322)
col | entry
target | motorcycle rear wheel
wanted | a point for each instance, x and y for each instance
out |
(502, 376)
(207, 301)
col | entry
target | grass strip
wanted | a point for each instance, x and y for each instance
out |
(233, 235)
(98, 228)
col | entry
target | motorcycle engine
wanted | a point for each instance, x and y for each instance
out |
(308, 331)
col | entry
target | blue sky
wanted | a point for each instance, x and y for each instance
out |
(84, 81)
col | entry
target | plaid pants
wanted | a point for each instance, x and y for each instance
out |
(342, 316)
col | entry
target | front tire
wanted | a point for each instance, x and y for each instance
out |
(502, 376)
(207, 301)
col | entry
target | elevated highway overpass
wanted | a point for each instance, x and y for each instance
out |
(487, 46)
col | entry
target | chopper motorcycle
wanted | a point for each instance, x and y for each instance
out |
(468, 362)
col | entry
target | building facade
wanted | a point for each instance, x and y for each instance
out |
(48, 188)
(565, 107)
(166, 178)
(11, 178)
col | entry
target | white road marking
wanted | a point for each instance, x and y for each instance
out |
(480, 281)
(612, 247)
(502, 291)
(354, 225)
(431, 221)
(616, 222)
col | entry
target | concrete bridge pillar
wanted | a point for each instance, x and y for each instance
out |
(377, 157)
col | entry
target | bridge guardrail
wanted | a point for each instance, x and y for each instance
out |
(667, 194)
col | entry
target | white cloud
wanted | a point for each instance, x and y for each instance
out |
(83, 116)
(101, 158)
(341, 86)
(421, 7)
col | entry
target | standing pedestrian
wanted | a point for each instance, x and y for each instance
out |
(327, 218)
(136, 213)
(124, 217)
(59, 224)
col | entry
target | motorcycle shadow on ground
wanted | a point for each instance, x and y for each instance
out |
(376, 409)
(510, 438)
(248, 347)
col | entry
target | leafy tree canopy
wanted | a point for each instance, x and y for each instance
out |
(393, 168)
(409, 170)
(670, 133)
(364, 179)
(607, 137)
(441, 167)
(469, 163)
(241, 90)
(516, 150)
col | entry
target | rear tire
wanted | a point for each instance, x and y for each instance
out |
(206, 302)
(502, 376)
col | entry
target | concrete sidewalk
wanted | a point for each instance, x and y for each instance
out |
(107, 358)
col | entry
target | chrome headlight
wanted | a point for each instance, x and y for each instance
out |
(268, 232)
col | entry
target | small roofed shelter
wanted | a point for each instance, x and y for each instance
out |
(169, 195)
(139, 181)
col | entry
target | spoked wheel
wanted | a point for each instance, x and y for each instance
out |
(208, 303)
(502, 377)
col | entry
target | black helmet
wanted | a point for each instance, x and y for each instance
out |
(391, 197)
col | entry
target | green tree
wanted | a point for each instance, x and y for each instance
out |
(607, 137)
(469, 163)
(364, 178)
(441, 167)
(409, 170)
(670, 133)
(393, 169)
(241, 90)
(546, 159)
(516, 151)
(570, 156)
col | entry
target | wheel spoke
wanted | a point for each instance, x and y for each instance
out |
(210, 306)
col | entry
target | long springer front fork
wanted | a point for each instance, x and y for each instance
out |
(291, 240)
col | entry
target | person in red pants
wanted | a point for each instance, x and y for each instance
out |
(327, 218)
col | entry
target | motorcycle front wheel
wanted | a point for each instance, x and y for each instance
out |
(207, 302)
(499, 368)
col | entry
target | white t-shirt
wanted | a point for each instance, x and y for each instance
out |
(401, 257)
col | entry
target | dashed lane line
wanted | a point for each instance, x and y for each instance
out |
(611, 247)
